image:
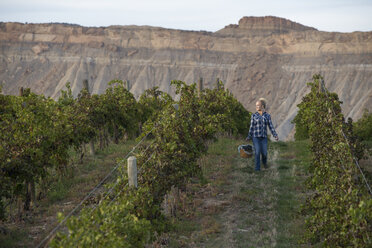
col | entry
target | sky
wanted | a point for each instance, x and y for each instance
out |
(206, 15)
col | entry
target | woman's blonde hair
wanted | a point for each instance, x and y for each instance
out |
(263, 101)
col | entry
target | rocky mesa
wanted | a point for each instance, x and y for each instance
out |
(267, 57)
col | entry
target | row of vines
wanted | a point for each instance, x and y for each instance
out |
(339, 208)
(38, 133)
(179, 136)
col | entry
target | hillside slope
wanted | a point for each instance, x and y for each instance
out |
(260, 57)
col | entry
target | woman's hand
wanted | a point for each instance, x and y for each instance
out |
(276, 138)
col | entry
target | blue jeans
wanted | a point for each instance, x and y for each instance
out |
(260, 148)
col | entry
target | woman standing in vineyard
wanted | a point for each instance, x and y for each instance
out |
(258, 132)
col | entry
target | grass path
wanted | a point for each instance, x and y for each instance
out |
(234, 206)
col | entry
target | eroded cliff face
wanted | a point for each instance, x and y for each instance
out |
(261, 57)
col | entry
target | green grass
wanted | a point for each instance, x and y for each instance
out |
(293, 161)
(91, 171)
(262, 209)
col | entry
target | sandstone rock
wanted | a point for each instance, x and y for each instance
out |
(40, 48)
(263, 26)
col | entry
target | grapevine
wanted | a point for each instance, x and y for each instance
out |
(340, 208)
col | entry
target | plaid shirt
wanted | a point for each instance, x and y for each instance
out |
(259, 125)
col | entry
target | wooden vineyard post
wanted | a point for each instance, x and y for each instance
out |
(86, 85)
(200, 86)
(21, 91)
(132, 171)
(91, 143)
